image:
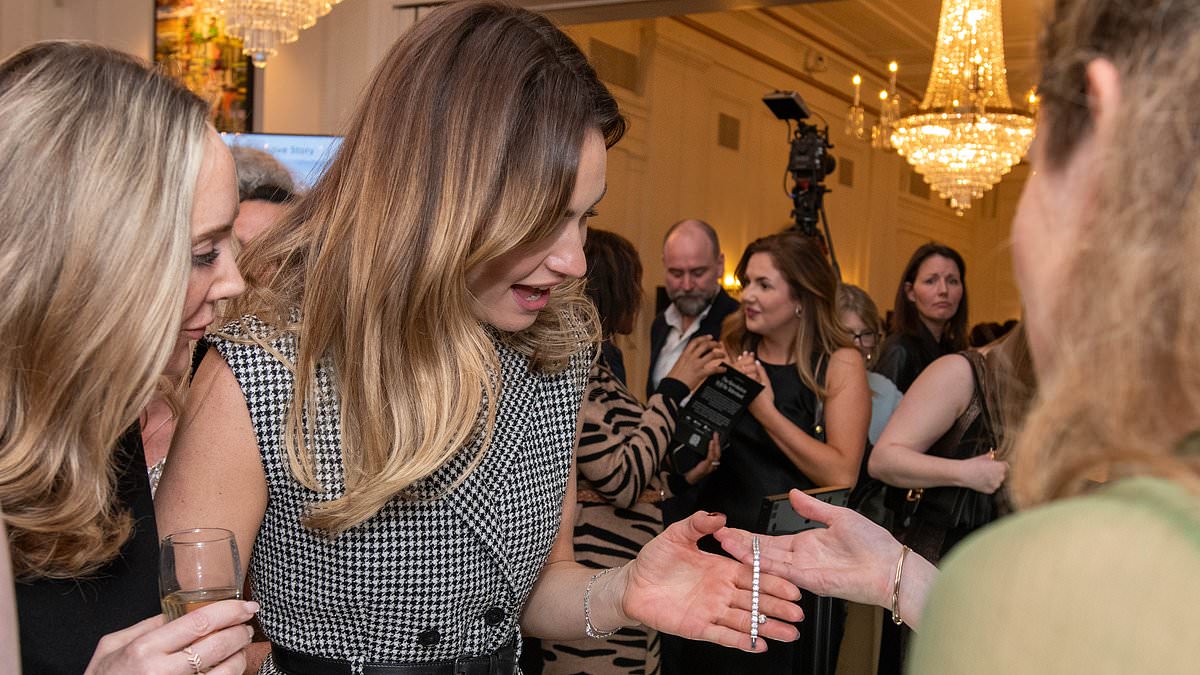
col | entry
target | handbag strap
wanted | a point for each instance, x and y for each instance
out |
(983, 390)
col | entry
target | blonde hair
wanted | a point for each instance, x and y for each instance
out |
(1012, 385)
(464, 148)
(1129, 300)
(854, 300)
(99, 158)
(810, 279)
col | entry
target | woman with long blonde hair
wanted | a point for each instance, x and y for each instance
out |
(388, 424)
(116, 200)
(1087, 578)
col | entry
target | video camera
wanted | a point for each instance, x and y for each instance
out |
(809, 162)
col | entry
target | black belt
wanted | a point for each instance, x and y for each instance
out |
(501, 662)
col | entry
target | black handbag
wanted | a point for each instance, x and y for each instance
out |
(954, 507)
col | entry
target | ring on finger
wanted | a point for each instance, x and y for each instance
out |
(194, 660)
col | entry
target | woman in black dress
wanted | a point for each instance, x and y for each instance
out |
(807, 428)
(931, 314)
(116, 207)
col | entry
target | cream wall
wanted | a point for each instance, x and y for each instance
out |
(669, 166)
(127, 25)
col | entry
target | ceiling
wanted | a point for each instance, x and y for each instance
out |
(882, 30)
(905, 30)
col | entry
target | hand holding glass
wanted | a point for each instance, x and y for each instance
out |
(198, 567)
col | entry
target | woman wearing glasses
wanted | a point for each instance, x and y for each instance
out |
(860, 316)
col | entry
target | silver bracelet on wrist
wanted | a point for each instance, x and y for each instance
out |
(587, 609)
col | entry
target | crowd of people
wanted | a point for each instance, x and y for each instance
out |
(402, 390)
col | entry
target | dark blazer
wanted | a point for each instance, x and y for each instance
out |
(722, 306)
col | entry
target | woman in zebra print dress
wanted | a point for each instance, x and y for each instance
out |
(620, 455)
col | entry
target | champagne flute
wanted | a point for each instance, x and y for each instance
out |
(198, 567)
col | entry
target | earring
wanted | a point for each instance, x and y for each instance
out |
(797, 311)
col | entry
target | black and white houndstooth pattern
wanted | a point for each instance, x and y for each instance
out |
(425, 579)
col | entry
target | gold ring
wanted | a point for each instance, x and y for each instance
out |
(992, 454)
(194, 660)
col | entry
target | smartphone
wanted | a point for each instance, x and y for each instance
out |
(778, 517)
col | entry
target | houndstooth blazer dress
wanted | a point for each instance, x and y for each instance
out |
(426, 579)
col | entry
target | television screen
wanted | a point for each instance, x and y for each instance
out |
(305, 156)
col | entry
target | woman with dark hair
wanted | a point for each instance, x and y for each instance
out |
(388, 423)
(807, 428)
(930, 314)
(1084, 578)
(620, 454)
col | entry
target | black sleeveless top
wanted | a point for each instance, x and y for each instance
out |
(61, 620)
(752, 465)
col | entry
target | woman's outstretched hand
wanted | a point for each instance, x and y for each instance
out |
(853, 558)
(676, 588)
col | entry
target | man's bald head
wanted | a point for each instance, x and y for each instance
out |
(694, 263)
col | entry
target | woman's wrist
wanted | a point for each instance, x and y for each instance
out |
(606, 600)
(907, 592)
(962, 473)
(674, 389)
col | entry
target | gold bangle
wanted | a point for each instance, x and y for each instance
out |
(896, 587)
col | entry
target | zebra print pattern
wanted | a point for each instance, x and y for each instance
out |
(619, 455)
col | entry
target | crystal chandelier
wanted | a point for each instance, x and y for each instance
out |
(966, 134)
(263, 25)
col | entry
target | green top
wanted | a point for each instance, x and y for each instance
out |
(1099, 584)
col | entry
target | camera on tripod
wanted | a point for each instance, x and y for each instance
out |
(809, 162)
(809, 154)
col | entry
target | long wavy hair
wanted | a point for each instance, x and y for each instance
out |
(99, 157)
(1128, 303)
(464, 147)
(906, 318)
(1013, 384)
(812, 283)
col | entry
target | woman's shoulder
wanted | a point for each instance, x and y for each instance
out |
(1122, 512)
(1094, 584)
(249, 341)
